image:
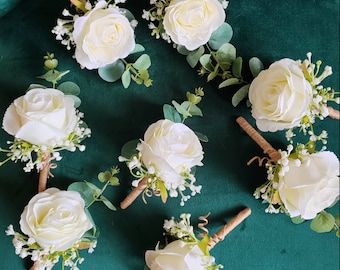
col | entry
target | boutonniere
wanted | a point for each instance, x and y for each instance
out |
(103, 38)
(164, 160)
(56, 224)
(45, 121)
(185, 250)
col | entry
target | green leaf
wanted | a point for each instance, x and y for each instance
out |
(181, 108)
(205, 61)
(114, 181)
(255, 66)
(162, 189)
(112, 72)
(129, 149)
(323, 222)
(171, 114)
(143, 62)
(237, 67)
(194, 56)
(138, 48)
(228, 82)
(182, 50)
(297, 220)
(241, 94)
(93, 233)
(85, 191)
(34, 85)
(53, 75)
(201, 136)
(108, 203)
(76, 100)
(126, 78)
(203, 245)
(194, 110)
(226, 53)
(221, 35)
(104, 176)
(69, 88)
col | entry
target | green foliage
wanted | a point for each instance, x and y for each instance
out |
(171, 113)
(220, 36)
(193, 57)
(255, 66)
(162, 190)
(240, 95)
(129, 149)
(297, 220)
(203, 245)
(323, 222)
(112, 72)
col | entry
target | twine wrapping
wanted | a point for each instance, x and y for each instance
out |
(266, 147)
(45, 172)
(129, 199)
(333, 113)
(226, 229)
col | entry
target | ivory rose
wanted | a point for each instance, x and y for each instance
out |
(55, 219)
(102, 36)
(171, 148)
(41, 117)
(178, 255)
(308, 188)
(190, 23)
(280, 96)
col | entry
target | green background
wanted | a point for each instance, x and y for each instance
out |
(270, 30)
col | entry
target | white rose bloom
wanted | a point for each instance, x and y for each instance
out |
(41, 117)
(178, 255)
(190, 23)
(170, 148)
(280, 96)
(102, 36)
(55, 219)
(308, 188)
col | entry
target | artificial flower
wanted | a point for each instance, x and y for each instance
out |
(178, 255)
(280, 96)
(190, 23)
(41, 117)
(310, 184)
(55, 219)
(102, 36)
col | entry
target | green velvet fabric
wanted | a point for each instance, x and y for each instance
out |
(270, 30)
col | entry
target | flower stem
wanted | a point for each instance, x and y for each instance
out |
(130, 198)
(44, 172)
(226, 229)
(267, 148)
(333, 113)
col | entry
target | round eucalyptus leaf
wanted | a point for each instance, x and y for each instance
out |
(69, 88)
(221, 35)
(255, 66)
(112, 72)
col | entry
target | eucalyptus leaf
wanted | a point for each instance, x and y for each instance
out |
(203, 245)
(93, 233)
(126, 78)
(323, 222)
(76, 100)
(104, 176)
(201, 136)
(255, 66)
(112, 72)
(138, 48)
(114, 181)
(226, 53)
(181, 108)
(85, 191)
(241, 94)
(171, 114)
(205, 61)
(93, 187)
(228, 82)
(129, 149)
(53, 75)
(69, 88)
(297, 220)
(194, 110)
(34, 85)
(143, 62)
(221, 35)
(182, 50)
(194, 56)
(237, 67)
(108, 203)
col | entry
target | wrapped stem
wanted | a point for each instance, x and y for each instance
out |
(267, 148)
(44, 172)
(333, 113)
(130, 198)
(226, 229)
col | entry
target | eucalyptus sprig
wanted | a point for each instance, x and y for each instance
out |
(178, 113)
